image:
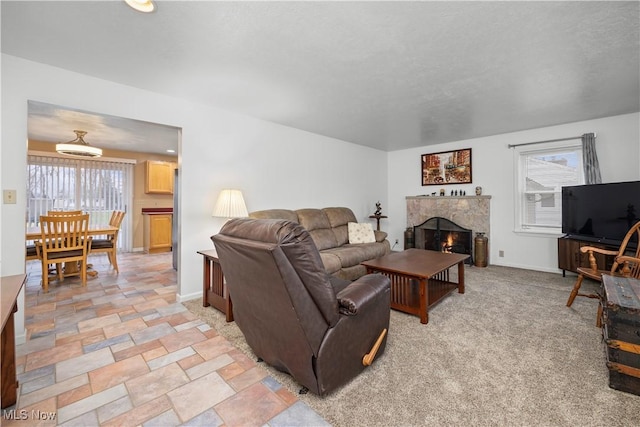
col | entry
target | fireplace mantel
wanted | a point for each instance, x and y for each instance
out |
(467, 211)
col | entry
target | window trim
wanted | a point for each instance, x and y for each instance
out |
(519, 155)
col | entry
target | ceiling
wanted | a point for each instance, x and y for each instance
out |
(390, 75)
(54, 123)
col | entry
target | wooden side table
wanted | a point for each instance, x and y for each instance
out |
(377, 218)
(214, 289)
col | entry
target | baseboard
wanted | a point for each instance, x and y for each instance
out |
(528, 267)
(21, 338)
(188, 297)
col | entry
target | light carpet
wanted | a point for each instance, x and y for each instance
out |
(507, 352)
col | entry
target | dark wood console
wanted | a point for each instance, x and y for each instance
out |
(570, 257)
(10, 287)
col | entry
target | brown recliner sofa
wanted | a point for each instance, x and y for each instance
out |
(328, 229)
(320, 329)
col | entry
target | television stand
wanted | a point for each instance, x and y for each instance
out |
(570, 257)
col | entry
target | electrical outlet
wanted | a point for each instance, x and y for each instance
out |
(9, 197)
(501, 254)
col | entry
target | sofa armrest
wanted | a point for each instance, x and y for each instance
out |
(380, 235)
(357, 295)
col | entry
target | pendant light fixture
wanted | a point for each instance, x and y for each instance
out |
(78, 147)
(141, 5)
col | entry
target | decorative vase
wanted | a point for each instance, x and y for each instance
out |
(481, 252)
(408, 238)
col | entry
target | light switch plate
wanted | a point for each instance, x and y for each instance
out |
(9, 197)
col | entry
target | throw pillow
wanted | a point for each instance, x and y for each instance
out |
(360, 233)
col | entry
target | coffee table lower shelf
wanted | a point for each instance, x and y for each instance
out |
(406, 294)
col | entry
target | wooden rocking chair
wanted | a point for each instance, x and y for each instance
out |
(624, 264)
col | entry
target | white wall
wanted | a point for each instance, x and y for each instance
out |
(275, 166)
(618, 148)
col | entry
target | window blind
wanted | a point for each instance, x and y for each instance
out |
(97, 187)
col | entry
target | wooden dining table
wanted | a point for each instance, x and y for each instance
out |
(34, 233)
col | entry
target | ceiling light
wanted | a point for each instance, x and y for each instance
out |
(78, 147)
(171, 151)
(141, 5)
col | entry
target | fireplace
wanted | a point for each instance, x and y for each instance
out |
(443, 235)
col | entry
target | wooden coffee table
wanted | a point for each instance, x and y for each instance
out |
(419, 278)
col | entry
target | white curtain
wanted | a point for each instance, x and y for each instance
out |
(97, 187)
(590, 159)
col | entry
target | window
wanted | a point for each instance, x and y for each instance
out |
(97, 187)
(541, 174)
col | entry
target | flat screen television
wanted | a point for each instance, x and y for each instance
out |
(601, 212)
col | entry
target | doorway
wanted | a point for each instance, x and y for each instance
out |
(126, 143)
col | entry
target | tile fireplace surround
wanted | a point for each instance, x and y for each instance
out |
(466, 211)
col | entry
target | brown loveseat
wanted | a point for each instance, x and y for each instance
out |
(328, 229)
(320, 329)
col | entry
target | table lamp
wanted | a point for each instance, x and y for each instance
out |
(230, 204)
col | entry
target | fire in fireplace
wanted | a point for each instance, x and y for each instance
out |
(441, 234)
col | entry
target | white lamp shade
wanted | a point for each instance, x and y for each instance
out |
(230, 204)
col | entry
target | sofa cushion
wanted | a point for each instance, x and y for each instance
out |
(328, 229)
(351, 255)
(339, 218)
(331, 262)
(318, 226)
(324, 238)
(275, 214)
(360, 233)
(352, 273)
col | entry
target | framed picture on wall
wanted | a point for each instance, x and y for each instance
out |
(447, 167)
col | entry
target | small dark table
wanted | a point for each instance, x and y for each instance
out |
(214, 289)
(377, 218)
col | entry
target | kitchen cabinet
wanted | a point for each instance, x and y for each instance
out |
(157, 232)
(159, 177)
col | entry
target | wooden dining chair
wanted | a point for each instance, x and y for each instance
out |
(64, 213)
(63, 239)
(620, 267)
(31, 252)
(109, 245)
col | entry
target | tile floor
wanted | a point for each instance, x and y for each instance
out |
(122, 352)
